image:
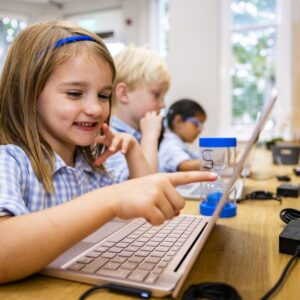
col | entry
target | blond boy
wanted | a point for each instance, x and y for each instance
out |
(138, 96)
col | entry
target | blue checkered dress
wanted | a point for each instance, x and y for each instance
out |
(21, 192)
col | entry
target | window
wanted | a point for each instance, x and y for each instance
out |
(9, 28)
(160, 26)
(254, 58)
(253, 42)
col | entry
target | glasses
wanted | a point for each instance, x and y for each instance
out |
(195, 121)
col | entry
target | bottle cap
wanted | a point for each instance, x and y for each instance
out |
(217, 142)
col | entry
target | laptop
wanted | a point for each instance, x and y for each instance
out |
(134, 254)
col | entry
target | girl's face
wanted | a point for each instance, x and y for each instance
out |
(188, 129)
(74, 103)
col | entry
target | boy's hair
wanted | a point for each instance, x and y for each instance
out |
(185, 108)
(137, 65)
(31, 60)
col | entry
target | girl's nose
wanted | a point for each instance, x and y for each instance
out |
(93, 107)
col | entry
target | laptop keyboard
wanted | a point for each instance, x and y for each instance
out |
(139, 251)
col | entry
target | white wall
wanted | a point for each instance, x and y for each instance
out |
(194, 55)
(31, 11)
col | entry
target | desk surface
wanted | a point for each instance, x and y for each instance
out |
(241, 251)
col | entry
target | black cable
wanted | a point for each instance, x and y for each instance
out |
(288, 214)
(283, 274)
(136, 292)
(91, 290)
(212, 291)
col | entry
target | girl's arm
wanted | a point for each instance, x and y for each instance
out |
(189, 165)
(151, 126)
(30, 242)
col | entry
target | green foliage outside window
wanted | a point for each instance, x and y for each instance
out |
(9, 28)
(253, 40)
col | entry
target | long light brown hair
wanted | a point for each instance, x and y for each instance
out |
(29, 64)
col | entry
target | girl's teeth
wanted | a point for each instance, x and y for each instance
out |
(85, 124)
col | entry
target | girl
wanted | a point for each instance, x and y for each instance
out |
(185, 120)
(55, 94)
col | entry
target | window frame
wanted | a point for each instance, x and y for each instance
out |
(283, 66)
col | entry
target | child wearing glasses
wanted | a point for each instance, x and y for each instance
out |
(142, 80)
(185, 119)
(55, 94)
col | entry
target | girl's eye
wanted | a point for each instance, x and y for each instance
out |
(104, 97)
(74, 94)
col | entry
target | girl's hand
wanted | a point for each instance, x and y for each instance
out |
(151, 124)
(153, 197)
(113, 143)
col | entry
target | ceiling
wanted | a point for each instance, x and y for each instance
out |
(43, 1)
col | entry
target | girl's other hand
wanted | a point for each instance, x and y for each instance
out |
(113, 142)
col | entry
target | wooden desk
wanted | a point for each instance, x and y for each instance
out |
(241, 251)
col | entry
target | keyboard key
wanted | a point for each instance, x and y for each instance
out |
(129, 265)
(151, 259)
(136, 259)
(163, 264)
(142, 253)
(157, 270)
(85, 260)
(132, 248)
(101, 248)
(76, 266)
(167, 244)
(151, 278)
(119, 259)
(108, 255)
(158, 254)
(123, 244)
(111, 266)
(125, 253)
(120, 273)
(93, 254)
(95, 265)
(138, 244)
(108, 244)
(138, 275)
(152, 244)
(115, 249)
(146, 266)
(147, 248)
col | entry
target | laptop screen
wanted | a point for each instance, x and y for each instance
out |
(251, 143)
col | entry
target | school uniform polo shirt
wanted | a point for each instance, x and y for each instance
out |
(21, 192)
(173, 151)
(117, 162)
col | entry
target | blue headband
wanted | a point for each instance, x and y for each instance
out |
(72, 39)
